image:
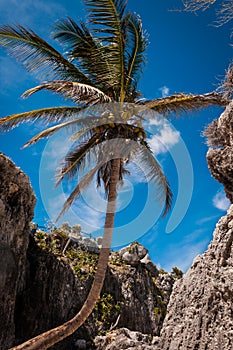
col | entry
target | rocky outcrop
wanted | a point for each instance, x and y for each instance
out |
(124, 339)
(200, 308)
(16, 211)
(200, 313)
(220, 155)
(57, 285)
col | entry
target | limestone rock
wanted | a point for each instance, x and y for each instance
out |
(80, 344)
(124, 339)
(200, 308)
(54, 293)
(220, 155)
(150, 266)
(133, 253)
(16, 210)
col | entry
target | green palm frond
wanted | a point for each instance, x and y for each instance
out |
(135, 50)
(184, 103)
(88, 52)
(44, 115)
(37, 55)
(82, 185)
(155, 175)
(76, 38)
(79, 93)
(107, 16)
(77, 157)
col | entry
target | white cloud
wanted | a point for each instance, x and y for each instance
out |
(206, 219)
(164, 140)
(164, 91)
(220, 201)
(183, 255)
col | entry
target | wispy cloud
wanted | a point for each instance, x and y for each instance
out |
(206, 219)
(164, 91)
(182, 255)
(164, 139)
(220, 201)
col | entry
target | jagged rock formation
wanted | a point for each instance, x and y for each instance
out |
(220, 155)
(131, 296)
(42, 285)
(124, 339)
(16, 211)
(200, 308)
(200, 313)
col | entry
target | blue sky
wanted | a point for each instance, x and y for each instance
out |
(186, 54)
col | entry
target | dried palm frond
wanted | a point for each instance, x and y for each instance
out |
(82, 185)
(184, 103)
(155, 175)
(44, 115)
(79, 93)
(76, 158)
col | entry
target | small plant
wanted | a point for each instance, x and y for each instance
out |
(40, 238)
(84, 263)
(106, 307)
(177, 273)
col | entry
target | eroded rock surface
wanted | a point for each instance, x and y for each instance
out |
(124, 339)
(200, 311)
(17, 203)
(220, 154)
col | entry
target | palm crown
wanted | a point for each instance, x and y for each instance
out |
(102, 65)
(99, 73)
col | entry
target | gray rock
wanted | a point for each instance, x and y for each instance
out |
(133, 253)
(146, 261)
(16, 211)
(130, 258)
(200, 308)
(220, 155)
(80, 344)
(124, 339)
(91, 245)
(166, 282)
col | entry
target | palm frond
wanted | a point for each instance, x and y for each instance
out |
(79, 93)
(88, 52)
(104, 174)
(135, 49)
(44, 115)
(107, 16)
(37, 55)
(76, 158)
(183, 103)
(82, 185)
(50, 131)
(155, 175)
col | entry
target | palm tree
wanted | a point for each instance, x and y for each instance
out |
(99, 73)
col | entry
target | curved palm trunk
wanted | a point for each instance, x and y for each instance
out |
(53, 336)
